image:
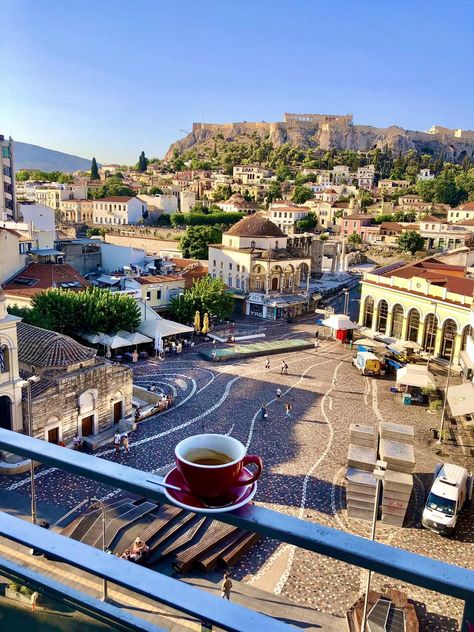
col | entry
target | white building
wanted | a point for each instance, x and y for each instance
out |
(249, 174)
(119, 210)
(425, 174)
(286, 217)
(238, 204)
(366, 177)
(165, 203)
(11, 414)
(41, 222)
(7, 179)
(53, 194)
(463, 212)
(187, 199)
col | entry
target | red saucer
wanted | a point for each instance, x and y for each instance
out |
(237, 496)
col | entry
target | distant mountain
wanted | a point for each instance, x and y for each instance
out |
(35, 157)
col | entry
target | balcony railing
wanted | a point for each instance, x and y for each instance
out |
(397, 563)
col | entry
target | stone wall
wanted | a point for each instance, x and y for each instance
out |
(61, 400)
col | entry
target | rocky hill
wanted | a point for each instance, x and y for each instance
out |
(307, 135)
(35, 157)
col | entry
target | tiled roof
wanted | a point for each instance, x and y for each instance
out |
(158, 278)
(43, 348)
(467, 206)
(440, 274)
(391, 226)
(432, 218)
(44, 276)
(116, 198)
(466, 222)
(255, 226)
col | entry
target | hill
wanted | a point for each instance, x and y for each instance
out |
(320, 132)
(35, 157)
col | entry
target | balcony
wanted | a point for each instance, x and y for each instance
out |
(396, 563)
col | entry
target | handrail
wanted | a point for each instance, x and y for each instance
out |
(384, 559)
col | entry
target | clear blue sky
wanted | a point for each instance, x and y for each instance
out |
(112, 77)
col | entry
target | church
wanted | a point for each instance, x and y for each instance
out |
(77, 392)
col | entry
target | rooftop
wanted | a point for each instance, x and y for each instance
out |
(255, 226)
(42, 348)
(116, 198)
(41, 276)
(157, 278)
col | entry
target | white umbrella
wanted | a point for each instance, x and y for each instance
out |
(339, 321)
(114, 342)
(461, 399)
(92, 338)
(136, 338)
(409, 344)
(415, 375)
(367, 342)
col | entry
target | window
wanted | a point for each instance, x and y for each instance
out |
(276, 245)
(230, 243)
(222, 264)
(238, 267)
(214, 263)
(429, 337)
(243, 268)
(25, 247)
(148, 295)
(467, 331)
(5, 151)
(237, 282)
(230, 265)
(229, 282)
(252, 244)
(413, 325)
(368, 312)
(397, 321)
(383, 315)
(448, 337)
(258, 284)
(4, 360)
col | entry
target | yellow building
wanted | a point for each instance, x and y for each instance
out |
(428, 302)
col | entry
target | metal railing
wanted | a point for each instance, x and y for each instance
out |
(387, 560)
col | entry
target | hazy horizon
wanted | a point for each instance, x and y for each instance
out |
(111, 80)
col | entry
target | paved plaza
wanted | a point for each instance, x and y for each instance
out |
(304, 457)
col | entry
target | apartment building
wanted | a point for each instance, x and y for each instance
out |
(7, 178)
(77, 211)
(463, 212)
(438, 233)
(286, 217)
(366, 177)
(118, 209)
(249, 174)
(53, 194)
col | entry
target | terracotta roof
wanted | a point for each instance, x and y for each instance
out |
(467, 206)
(183, 263)
(157, 278)
(340, 205)
(440, 274)
(466, 222)
(391, 226)
(432, 218)
(330, 191)
(290, 209)
(116, 198)
(42, 276)
(43, 348)
(193, 275)
(255, 226)
(356, 216)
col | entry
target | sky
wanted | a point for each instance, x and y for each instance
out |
(111, 78)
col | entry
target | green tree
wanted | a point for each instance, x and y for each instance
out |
(155, 191)
(112, 187)
(365, 198)
(207, 295)
(411, 242)
(354, 239)
(274, 192)
(194, 243)
(307, 223)
(302, 194)
(23, 175)
(222, 192)
(283, 173)
(142, 164)
(94, 169)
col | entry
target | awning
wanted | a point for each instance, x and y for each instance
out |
(136, 338)
(415, 375)
(461, 399)
(161, 327)
(366, 342)
(92, 338)
(114, 342)
(396, 348)
(339, 321)
(409, 344)
(465, 360)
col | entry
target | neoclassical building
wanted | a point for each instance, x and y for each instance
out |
(428, 302)
(268, 271)
(76, 392)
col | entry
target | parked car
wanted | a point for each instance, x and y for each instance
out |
(367, 363)
(450, 492)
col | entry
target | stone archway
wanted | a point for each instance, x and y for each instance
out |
(448, 337)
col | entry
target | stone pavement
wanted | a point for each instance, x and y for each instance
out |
(304, 459)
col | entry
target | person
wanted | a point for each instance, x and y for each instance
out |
(153, 388)
(267, 363)
(169, 397)
(284, 368)
(117, 441)
(316, 344)
(139, 549)
(214, 343)
(278, 393)
(125, 443)
(213, 356)
(225, 587)
(77, 442)
(126, 555)
(137, 415)
(288, 408)
(135, 356)
(263, 411)
(316, 335)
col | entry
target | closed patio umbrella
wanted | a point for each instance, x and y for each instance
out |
(197, 321)
(205, 324)
(409, 344)
(367, 342)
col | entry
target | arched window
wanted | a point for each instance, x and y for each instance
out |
(252, 244)
(237, 283)
(413, 325)
(429, 337)
(467, 331)
(397, 321)
(368, 312)
(276, 245)
(229, 282)
(4, 359)
(242, 284)
(449, 332)
(258, 284)
(383, 315)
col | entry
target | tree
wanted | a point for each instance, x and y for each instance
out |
(411, 242)
(155, 191)
(22, 175)
(354, 239)
(274, 192)
(302, 194)
(206, 295)
(112, 187)
(283, 173)
(222, 192)
(365, 198)
(307, 223)
(194, 243)
(94, 169)
(142, 164)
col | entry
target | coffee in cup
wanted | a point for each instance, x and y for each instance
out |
(211, 464)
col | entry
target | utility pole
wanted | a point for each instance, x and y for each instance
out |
(27, 384)
(441, 426)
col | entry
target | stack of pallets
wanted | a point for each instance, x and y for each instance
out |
(396, 449)
(361, 462)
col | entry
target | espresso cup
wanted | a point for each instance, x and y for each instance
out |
(216, 480)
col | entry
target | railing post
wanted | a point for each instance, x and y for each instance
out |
(468, 617)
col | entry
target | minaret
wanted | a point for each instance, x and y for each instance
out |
(11, 417)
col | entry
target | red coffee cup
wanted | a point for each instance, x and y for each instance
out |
(215, 481)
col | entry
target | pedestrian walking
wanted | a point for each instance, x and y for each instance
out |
(267, 363)
(117, 441)
(263, 412)
(278, 393)
(334, 381)
(284, 368)
(225, 587)
(316, 335)
(125, 443)
(137, 415)
(288, 409)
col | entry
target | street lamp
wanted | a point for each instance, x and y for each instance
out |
(379, 474)
(27, 384)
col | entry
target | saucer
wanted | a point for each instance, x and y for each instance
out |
(238, 496)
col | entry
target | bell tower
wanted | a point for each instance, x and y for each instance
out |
(11, 417)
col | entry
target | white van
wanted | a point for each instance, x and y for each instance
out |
(451, 489)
